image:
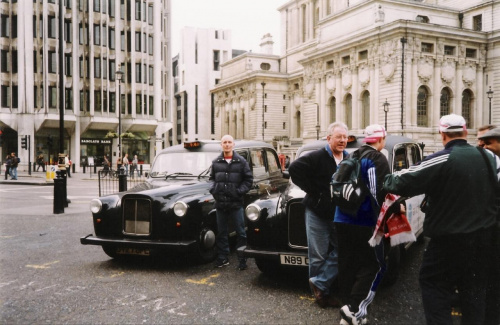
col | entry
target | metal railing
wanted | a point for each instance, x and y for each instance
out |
(112, 181)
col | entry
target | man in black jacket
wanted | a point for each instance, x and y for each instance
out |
(312, 173)
(232, 178)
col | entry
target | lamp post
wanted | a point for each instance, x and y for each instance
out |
(317, 121)
(263, 124)
(386, 110)
(119, 76)
(490, 96)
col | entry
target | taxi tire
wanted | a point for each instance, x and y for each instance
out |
(207, 254)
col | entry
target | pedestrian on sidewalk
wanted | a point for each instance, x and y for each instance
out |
(67, 164)
(7, 166)
(14, 162)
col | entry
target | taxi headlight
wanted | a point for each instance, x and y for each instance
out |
(180, 208)
(95, 206)
(252, 212)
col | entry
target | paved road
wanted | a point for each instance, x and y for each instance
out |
(46, 276)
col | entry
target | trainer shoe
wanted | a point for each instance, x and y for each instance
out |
(243, 265)
(221, 262)
(350, 318)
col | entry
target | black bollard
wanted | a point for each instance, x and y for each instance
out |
(58, 194)
(84, 168)
(65, 178)
(141, 171)
(122, 180)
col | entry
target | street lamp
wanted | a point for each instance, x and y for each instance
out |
(386, 110)
(263, 85)
(119, 76)
(490, 96)
(317, 121)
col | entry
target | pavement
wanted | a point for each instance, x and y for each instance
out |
(40, 178)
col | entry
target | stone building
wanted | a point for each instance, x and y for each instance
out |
(101, 37)
(342, 60)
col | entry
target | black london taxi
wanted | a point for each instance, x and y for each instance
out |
(276, 236)
(172, 212)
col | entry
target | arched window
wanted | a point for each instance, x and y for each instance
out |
(422, 109)
(298, 121)
(348, 110)
(333, 109)
(467, 107)
(365, 106)
(444, 102)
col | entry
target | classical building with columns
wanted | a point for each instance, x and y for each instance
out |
(101, 37)
(343, 60)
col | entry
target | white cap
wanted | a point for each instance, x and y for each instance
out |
(374, 132)
(452, 123)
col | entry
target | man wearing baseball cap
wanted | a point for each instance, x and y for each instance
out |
(358, 264)
(491, 140)
(459, 184)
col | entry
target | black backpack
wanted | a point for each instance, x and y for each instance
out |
(347, 187)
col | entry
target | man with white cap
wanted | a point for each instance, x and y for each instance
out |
(458, 182)
(358, 264)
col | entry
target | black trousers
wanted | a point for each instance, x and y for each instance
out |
(456, 261)
(358, 265)
(492, 315)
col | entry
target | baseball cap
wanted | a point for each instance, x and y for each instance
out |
(493, 133)
(452, 123)
(374, 132)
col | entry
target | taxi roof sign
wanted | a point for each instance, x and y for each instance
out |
(193, 144)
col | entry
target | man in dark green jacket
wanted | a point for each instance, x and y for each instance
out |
(460, 219)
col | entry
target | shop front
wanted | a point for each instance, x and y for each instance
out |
(92, 151)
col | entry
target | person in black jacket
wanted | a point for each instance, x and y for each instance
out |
(232, 178)
(312, 173)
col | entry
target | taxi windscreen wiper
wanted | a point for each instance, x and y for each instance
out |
(178, 174)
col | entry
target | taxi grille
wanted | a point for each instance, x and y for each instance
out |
(296, 225)
(137, 216)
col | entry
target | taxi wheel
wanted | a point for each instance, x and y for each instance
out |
(110, 251)
(207, 250)
(267, 267)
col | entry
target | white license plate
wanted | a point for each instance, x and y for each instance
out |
(294, 260)
(133, 251)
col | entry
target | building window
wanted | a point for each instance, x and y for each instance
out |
(5, 58)
(112, 102)
(137, 41)
(67, 31)
(150, 15)
(122, 40)
(477, 22)
(112, 69)
(265, 108)
(444, 102)
(34, 27)
(346, 60)
(111, 38)
(151, 75)
(144, 11)
(5, 96)
(333, 109)
(150, 44)
(422, 109)
(363, 55)
(366, 109)
(329, 65)
(52, 62)
(68, 66)
(97, 34)
(144, 71)
(427, 48)
(422, 19)
(151, 105)
(52, 97)
(449, 50)
(105, 68)
(4, 26)
(471, 53)
(138, 104)
(348, 110)
(467, 107)
(97, 5)
(14, 61)
(138, 72)
(97, 67)
(265, 66)
(104, 101)
(144, 43)
(15, 96)
(284, 109)
(35, 62)
(216, 60)
(137, 10)
(68, 94)
(52, 27)
(104, 6)
(104, 36)
(111, 8)
(284, 125)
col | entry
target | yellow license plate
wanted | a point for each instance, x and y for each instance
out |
(294, 260)
(133, 251)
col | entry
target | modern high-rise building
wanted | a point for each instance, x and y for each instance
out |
(101, 38)
(349, 60)
(196, 70)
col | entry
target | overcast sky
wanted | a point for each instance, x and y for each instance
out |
(248, 20)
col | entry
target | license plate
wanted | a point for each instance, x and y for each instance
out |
(133, 251)
(294, 260)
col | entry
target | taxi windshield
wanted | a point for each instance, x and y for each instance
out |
(182, 163)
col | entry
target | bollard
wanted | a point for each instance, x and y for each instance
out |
(84, 168)
(122, 180)
(141, 171)
(74, 168)
(58, 194)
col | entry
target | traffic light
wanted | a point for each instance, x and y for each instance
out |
(24, 142)
(50, 141)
